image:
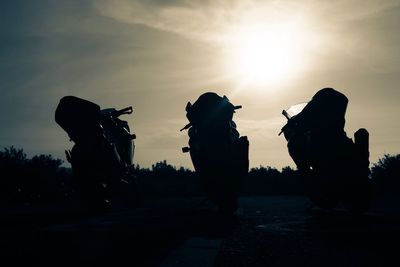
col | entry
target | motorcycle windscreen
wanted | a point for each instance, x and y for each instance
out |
(210, 108)
(295, 109)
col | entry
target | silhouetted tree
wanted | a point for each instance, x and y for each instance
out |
(291, 182)
(164, 180)
(46, 162)
(386, 173)
(13, 169)
(12, 157)
(26, 180)
(50, 181)
(42, 179)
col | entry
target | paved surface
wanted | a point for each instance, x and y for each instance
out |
(267, 231)
(287, 232)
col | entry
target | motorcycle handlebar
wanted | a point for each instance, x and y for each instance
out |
(120, 112)
(187, 126)
(284, 113)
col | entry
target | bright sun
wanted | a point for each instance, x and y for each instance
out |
(262, 56)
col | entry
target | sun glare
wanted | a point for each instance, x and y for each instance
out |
(262, 56)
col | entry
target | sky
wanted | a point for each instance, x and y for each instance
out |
(157, 55)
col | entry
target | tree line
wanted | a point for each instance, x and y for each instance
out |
(42, 179)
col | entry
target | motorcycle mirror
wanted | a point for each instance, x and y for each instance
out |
(188, 106)
(284, 113)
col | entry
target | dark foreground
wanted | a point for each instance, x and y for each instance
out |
(267, 231)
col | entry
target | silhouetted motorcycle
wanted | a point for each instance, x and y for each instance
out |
(218, 153)
(335, 169)
(102, 156)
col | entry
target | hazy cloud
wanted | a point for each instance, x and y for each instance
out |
(202, 20)
(209, 20)
(334, 30)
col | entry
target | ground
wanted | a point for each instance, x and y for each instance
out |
(266, 231)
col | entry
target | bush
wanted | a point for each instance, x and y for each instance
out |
(26, 180)
(385, 174)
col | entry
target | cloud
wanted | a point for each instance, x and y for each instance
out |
(353, 10)
(209, 20)
(330, 30)
(193, 19)
(261, 128)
